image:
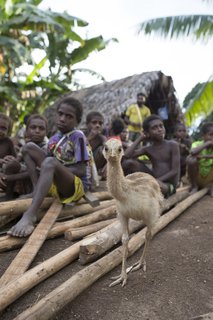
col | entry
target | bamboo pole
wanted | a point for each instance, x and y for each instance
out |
(8, 242)
(73, 234)
(52, 303)
(26, 255)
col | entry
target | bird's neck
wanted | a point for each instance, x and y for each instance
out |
(115, 179)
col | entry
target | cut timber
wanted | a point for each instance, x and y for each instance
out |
(78, 233)
(103, 240)
(16, 288)
(82, 209)
(26, 255)
(17, 207)
(8, 243)
(106, 238)
(175, 198)
(51, 304)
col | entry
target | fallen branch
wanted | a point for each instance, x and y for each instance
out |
(26, 255)
(47, 307)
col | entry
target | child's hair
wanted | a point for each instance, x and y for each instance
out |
(93, 114)
(76, 104)
(206, 127)
(117, 126)
(149, 119)
(179, 125)
(8, 120)
(36, 116)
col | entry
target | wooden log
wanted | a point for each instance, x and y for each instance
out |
(26, 255)
(73, 234)
(175, 198)
(105, 239)
(16, 288)
(17, 207)
(52, 303)
(8, 243)
(71, 211)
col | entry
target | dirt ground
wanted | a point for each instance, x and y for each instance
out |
(178, 284)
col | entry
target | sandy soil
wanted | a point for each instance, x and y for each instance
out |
(178, 284)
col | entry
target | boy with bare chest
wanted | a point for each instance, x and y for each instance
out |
(163, 154)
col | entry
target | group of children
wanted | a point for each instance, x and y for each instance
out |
(61, 166)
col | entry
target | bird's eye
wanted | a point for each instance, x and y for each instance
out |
(106, 148)
(119, 149)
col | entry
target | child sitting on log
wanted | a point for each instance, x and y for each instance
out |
(163, 154)
(200, 160)
(184, 142)
(8, 163)
(35, 138)
(63, 171)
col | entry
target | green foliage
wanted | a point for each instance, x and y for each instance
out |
(197, 26)
(28, 83)
(201, 105)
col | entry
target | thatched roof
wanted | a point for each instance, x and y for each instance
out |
(112, 98)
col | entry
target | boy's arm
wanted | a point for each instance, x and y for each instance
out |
(175, 164)
(134, 150)
(78, 169)
(195, 151)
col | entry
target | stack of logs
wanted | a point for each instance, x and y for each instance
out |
(93, 232)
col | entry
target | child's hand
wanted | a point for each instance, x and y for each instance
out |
(9, 159)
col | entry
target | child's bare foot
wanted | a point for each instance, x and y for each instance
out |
(24, 227)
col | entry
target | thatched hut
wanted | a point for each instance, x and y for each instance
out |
(112, 98)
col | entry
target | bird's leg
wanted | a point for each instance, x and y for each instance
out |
(122, 278)
(142, 261)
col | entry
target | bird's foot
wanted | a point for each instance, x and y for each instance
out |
(136, 266)
(119, 279)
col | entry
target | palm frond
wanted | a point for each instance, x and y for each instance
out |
(202, 104)
(197, 26)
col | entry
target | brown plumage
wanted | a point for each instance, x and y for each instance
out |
(138, 196)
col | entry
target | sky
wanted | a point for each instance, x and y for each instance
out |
(186, 61)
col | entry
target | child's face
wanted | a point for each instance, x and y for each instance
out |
(156, 130)
(96, 124)
(36, 130)
(209, 135)
(181, 132)
(4, 127)
(124, 134)
(66, 118)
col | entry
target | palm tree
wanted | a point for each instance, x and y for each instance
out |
(200, 27)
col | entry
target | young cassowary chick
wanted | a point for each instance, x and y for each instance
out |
(138, 196)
